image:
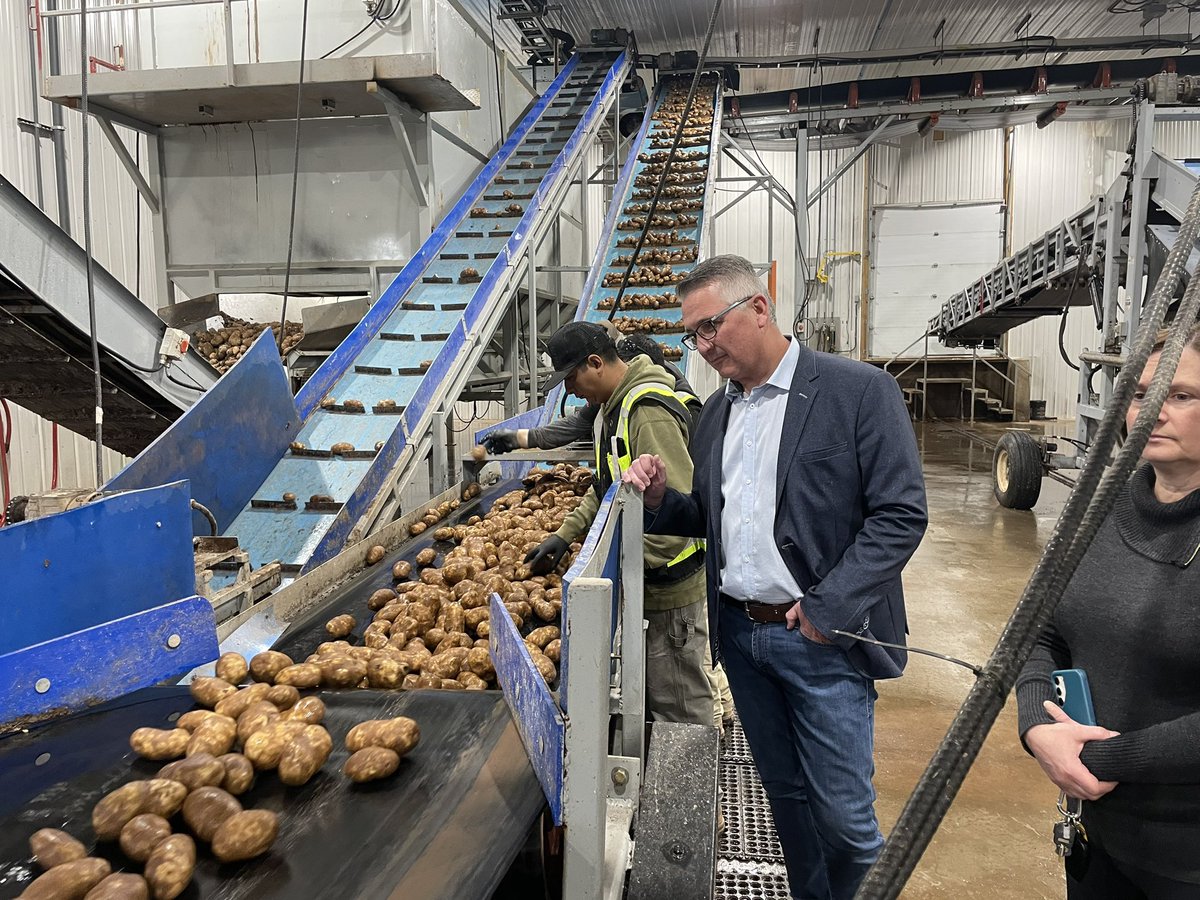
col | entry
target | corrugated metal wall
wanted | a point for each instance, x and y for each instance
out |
(115, 205)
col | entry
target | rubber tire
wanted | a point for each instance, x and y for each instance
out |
(1017, 471)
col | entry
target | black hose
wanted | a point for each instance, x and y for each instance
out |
(662, 181)
(204, 511)
(1086, 509)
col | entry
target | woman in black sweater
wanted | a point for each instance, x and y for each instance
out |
(1130, 618)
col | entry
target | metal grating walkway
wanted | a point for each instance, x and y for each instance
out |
(749, 858)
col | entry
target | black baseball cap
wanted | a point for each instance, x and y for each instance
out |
(571, 345)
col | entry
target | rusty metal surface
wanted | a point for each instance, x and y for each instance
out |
(445, 826)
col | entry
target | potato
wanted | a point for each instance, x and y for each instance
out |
(342, 447)
(479, 453)
(210, 691)
(256, 717)
(52, 847)
(375, 554)
(308, 710)
(207, 808)
(169, 868)
(160, 743)
(472, 617)
(239, 773)
(416, 528)
(142, 834)
(120, 886)
(68, 881)
(116, 808)
(544, 635)
(265, 748)
(284, 696)
(553, 651)
(246, 835)
(333, 648)
(410, 681)
(429, 680)
(471, 681)
(544, 610)
(433, 576)
(402, 569)
(400, 734)
(302, 675)
(266, 665)
(214, 736)
(343, 671)
(426, 557)
(386, 673)
(196, 771)
(376, 640)
(545, 667)
(383, 596)
(434, 636)
(234, 704)
(479, 662)
(443, 534)
(371, 764)
(232, 667)
(303, 757)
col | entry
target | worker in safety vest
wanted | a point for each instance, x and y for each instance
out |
(640, 412)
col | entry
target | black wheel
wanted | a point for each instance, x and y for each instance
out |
(1017, 470)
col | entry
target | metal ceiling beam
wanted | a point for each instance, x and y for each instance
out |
(1030, 47)
(849, 161)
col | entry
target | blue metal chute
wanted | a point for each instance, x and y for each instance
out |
(99, 601)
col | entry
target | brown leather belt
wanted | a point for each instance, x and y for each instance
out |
(762, 613)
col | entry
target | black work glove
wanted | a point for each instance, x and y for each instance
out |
(503, 440)
(546, 556)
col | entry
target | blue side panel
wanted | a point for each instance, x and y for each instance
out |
(339, 362)
(610, 570)
(531, 703)
(105, 661)
(228, 442)
(108, 560)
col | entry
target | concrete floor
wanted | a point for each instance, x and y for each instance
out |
(960, 588)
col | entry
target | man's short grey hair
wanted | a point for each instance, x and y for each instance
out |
(731, 273)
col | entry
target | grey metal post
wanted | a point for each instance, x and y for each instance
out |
(512, 331)
(1142, 150)
(61, 180)
(531, 346)
(974, 359)
(633, 636)
(801, 213)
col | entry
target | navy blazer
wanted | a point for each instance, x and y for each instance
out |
(849, 503)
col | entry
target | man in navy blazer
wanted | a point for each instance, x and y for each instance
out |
(808, 488)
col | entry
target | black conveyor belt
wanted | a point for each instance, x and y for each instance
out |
(446, 825)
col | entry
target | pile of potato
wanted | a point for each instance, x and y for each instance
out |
(648, 275)
(647, 325)
(683, 156)
(637, 223)
(667, 206)
(213, 756)
(431, 629)
(654, 238)
(677, 256)
(225, 346)
(671, 178)
(686, 190)
(643, 301)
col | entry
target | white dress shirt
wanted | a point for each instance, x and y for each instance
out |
(754, 569)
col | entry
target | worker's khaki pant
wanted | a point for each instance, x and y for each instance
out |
(678, 667)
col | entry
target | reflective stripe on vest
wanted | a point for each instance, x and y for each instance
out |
(617, 464)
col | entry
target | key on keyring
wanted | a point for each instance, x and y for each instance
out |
(1064, 836)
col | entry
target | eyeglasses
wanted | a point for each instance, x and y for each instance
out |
(707, 328)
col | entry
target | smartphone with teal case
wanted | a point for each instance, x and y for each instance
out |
(1073, 694)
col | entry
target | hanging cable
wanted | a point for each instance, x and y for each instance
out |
(87, 242)
(287, 272)
(683, 119)
(1090, 502)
